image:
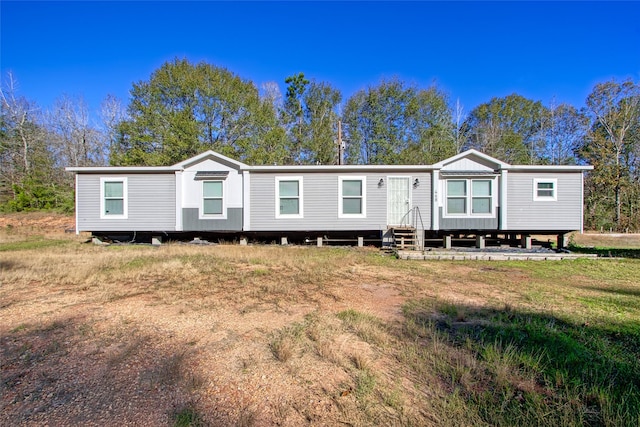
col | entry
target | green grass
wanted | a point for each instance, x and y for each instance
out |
(509, 367)
(605, 251)
(20, 327)
(600, 270)
(32, 244)
(365, 383)
(367, 327)
(286, 342)
(187, 417)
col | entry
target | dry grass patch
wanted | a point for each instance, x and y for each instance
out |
(270, 335)
(610, 240)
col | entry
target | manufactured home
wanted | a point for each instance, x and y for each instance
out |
(213, 195)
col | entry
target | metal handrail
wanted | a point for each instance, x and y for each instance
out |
(405, 216)
(421, 229)
(414, 223)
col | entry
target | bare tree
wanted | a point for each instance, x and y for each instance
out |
(270, 91)
(459, 117)
(616, 110)
(77, 142)
(112, 113)
(28, 176)
(18, 118)
(564, 129)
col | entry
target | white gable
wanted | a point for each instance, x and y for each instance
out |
(209, 164)
(211, 156)
(471, 161)
(467, 164)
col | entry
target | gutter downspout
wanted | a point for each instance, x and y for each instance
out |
(178, 184)
(246, 200)
(581, 202)
(504, 175)
(435, 210)
(76, 204)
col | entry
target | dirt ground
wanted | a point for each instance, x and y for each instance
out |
(162, 344)
(218, 335)
(18, 225)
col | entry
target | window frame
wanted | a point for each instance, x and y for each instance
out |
(536, 195)
(465, 197)
(223, 214)
(300, 196)
(125, 199)
(469, 198)
(363, 197)
(473, 196)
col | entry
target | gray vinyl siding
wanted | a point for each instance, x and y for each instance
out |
(524, 213)
(320, 202)
(469, 223)
(151, 203)
(192, 222)
(421, 198)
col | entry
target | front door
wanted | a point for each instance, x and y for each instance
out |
(398, 200)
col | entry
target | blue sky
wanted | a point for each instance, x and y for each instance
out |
(474, 51)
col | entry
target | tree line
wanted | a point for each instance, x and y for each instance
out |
(184, 109)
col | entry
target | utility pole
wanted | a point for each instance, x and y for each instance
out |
(340, 144)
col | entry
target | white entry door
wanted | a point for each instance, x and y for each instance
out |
(398, 200)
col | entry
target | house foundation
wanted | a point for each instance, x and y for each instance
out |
(562, 241)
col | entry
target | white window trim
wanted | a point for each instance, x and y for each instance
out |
(364, 196)
(125, 197)
(469, 198)
(300, 213)
(223, 215)
(446, 197)
(553, 198)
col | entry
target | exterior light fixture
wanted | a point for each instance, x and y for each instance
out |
(416, 183)
(381, 182)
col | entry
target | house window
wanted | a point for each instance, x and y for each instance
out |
(212, 198)
(352, 197)
(545, 189)
(469, 197)
(456, 197)
(480, 196)
(289, 200)
(113, 198)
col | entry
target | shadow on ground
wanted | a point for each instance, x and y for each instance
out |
(607, 252)
(62, 373)
(510, 367)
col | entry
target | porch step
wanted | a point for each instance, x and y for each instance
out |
(404, 238)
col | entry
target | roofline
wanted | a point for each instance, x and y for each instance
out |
(441, 164)
(340, 168)
(123, 169)
(210, 153)
(322, 168)
(500, 165)
(550, 168)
